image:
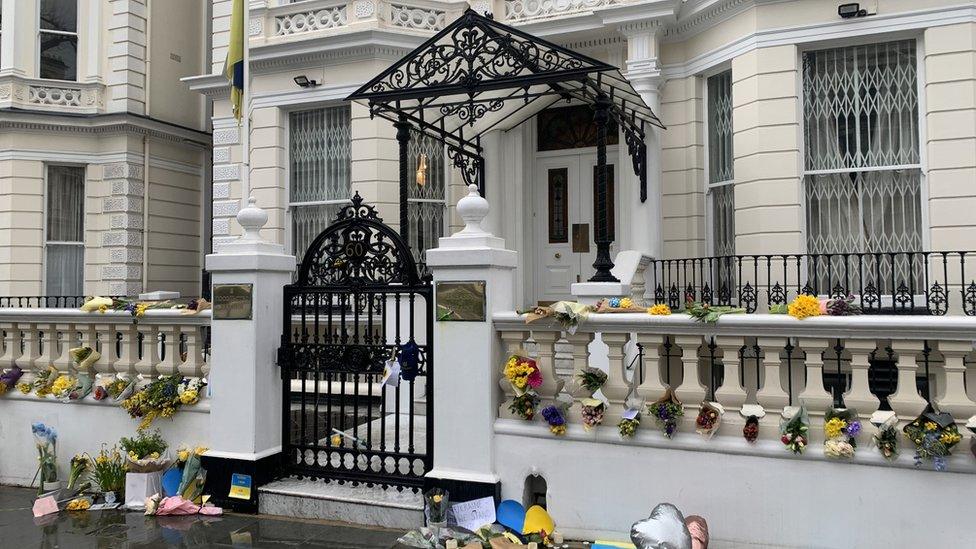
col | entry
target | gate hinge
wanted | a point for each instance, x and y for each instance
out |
(283, 358)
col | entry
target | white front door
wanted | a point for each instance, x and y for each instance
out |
(565, 215)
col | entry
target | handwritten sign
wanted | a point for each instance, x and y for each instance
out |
(474, 514)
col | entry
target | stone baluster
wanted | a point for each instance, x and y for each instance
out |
(814, 396)
(691, 391)
(551, 383)
(146, 366)
(617, 387)
(48, 337)
(194, 366)
(172, 358)
(906, 402)
(580, 348)
(67, 335)
(652, 386)
(858, 395)
(730, 395)
(28, 359)
(512, 341)
(129, 348)
(771, 396)
(953, 398)
(105, 335)
(11, 345)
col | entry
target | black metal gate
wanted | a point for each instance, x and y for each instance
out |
(358, 307)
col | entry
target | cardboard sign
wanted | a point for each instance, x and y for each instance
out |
(240, 486)
(474, 514)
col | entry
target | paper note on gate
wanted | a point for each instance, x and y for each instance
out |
(391, 373)
(475, 513)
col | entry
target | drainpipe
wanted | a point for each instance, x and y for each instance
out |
(145, 158)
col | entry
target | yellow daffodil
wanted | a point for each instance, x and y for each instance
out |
(950, 438)
(804, 306)
(336, 440)
(79, 504)
(437, 498)
(834, 427)
(182, 454)
(24, 388)
(659, 310)
(930, 426)
(200, 450)
(626, 303)
(189, 396)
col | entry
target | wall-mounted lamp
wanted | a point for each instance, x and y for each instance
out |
(304, 82)
(848, 11)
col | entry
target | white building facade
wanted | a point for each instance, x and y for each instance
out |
(103, 152)
(791, 130)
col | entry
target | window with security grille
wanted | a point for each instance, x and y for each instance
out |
(863, 170)
(426, 193)
(320, 166)
(64, 260)
(720, 173)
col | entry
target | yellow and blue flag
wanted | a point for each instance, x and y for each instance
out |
(234, 64)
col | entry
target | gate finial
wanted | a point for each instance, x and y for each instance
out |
(473, 209)
(251, 219)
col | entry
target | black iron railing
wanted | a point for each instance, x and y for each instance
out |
(45, 301)
(921, 283)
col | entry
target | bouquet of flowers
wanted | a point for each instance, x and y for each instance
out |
(118, 389)
(135, 308)
(751, 429)
(162, 398)
(705, 313)
(667, 411)
(194, 476)
(62, 387)
(805, 306)
(660, 309)
(46, 441)
(9, 379)
(568, 313)
(709, 418)
(83, 386)
(84, 357)
(591, 379)
(618, 305)
(841, 428)
(42, 382)
(79, 469)
(886, 439)
(793, 428)
(934, 436)
(556, 418)
(195, 306)
(593, 410)
(525, 405)
(437, 501)
(629, 422)
(145, 452)
(523, 373)
(108, 471)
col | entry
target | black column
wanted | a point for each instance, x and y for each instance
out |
(603, 263)
(403, 137)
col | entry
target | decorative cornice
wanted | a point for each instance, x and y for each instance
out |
(114, 123)
(593, 43)
(702, 19)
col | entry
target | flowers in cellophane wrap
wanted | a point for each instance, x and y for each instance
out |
(591, 379)
(555, 416)
(78, 504)
(805, 306)
(934, 435)
(841, 428)
(708, 314)
(162, 398)
(629, 422)
(709, 418)
(525, 405)
(135, 308)
(79, 469)
(62, 387)
(567, 313)
(618, 305)
(886, 438)
(108, 470)
(84, 357)
(660, 309)
(117, 388)
(42, 382)
(593, 410)
(46, 441)
(667, 411)
(145, 452)
(9, 379)
(751, 429)
(794, 429)
(523, 373)
(194, 476)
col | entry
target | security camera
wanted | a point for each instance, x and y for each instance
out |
(848, 11)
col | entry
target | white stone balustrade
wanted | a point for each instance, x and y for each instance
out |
(770, 360)
(298, 21)
(162, 342)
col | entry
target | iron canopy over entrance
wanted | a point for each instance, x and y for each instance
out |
(478, 75)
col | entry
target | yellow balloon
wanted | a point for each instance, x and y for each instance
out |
(537, 520)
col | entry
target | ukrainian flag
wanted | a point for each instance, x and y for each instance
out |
(234, 64)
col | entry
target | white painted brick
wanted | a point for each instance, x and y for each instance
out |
(226, 208)
(221, 190)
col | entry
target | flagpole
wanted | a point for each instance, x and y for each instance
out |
(246, 108)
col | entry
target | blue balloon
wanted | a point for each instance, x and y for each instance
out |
(511, 515)
(171, 481)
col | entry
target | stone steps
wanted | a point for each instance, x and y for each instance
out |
(315, 499)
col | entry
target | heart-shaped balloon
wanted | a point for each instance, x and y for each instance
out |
(511, 515)
(537, 520)
(664, 529)
(171, 481)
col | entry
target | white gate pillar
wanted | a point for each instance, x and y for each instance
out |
(246, 402)
(467, 355)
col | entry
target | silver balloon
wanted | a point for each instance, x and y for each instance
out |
(664, 529)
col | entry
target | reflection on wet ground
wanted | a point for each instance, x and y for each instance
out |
(110, 529)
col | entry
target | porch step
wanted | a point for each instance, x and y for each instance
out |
(363, 505)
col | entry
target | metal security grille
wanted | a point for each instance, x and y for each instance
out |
(721, 178)
(320, 152)
(357, 303)
(426, 203)
(863, 171)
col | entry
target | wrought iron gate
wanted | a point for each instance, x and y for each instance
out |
(357, 306)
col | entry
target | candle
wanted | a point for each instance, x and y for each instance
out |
(557, 538)
(451, 544)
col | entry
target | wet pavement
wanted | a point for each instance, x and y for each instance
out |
(111, 529)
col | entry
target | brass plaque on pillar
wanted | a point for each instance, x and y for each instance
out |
(232, 301)
(581, 238)
(460, 301)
